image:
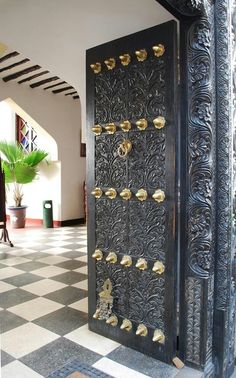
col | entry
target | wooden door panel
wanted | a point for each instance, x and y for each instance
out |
(134, 228)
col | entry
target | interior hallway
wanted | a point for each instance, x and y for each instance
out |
(43, 313)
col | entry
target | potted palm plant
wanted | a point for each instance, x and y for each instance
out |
(20, 167)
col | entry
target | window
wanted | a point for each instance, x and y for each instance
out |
(25, 135)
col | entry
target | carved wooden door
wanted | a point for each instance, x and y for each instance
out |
(132, 133)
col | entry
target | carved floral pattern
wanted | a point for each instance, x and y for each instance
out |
(110, 169)
(193, 294)
(147, 237)
(146, 162)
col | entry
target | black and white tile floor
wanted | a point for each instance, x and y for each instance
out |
(43, 311)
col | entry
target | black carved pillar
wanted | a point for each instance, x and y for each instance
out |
(224, 319)
(207, 249)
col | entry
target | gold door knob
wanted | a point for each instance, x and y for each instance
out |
(126, 194)
(142, 330)
(97, 192)
(158, 336)
(126, 325)
(125, 59)
(125, 126)
(112, 320)
(141, 55)
(97, 129)
(111, 258)
(158, 50)
(141, 195)
(111, 193)
(126, 261)
(159, 196)
(141, 264)
(96, 67)
(97, 313)
(97, 255)
(124, 148)
(110, 63)
(159, 122)
(158, 267)
(110, 128)
(142, 124)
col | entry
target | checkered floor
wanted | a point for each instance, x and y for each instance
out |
(43, 311)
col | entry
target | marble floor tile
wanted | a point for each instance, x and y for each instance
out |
(23, 279)
(49, 271)
(81, 305)
(81, 285)
(55, 250)
(82, 258)
(117, 370)
(71, 264)
(9, 272)
(31, 266)
(142, 363)
(53, 260)
(15, 297)
(70, 278)
(14, 260)
(5, 359)
(43, 287)
(4, 286)
(9, 321)
(18, 370)
(19, 341)
(83, 269)
(34, 309)
(54, 355)
(62, 321)
(67, 295)
(92, 341)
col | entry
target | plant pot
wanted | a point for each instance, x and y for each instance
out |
(17, 216)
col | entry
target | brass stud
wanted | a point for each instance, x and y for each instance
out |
(126, 325)
(111, 258)
(126, 261)
(126, 194)
(110, 128)
(97, 192)
(141, 194)
(112, 320)
(96, 314)
(96, 67)
(158, 267)
(111, 193)
(158, 336)
(159, 196)
(125, 126)
(159, 122)
(110, 63)
(142, 330)
(141, 264)
(97, 255)
(141, 55)
(158, 50)
(97, 129)
(125, 59)
(142, 124)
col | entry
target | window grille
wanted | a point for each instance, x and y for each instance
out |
(26, 135)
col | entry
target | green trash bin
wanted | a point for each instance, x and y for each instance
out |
(47, 214)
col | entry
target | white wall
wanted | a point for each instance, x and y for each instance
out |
(7, 119)
(56, 33)
(60, 117)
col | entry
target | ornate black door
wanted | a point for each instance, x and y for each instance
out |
(132, 196)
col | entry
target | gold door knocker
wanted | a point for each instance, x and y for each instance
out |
(124, 148)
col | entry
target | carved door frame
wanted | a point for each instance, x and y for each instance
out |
(207, 259)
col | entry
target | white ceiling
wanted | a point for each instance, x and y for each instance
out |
(56, 33)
